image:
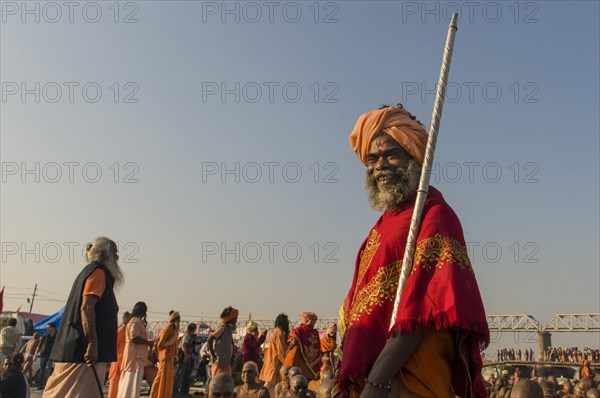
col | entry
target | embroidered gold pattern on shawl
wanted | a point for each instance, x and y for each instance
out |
(381, 288)
(312, 355)
(366, 256)
(438, 251)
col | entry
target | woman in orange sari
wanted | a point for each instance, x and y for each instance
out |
(162, 387)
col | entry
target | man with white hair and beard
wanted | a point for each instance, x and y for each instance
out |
(87, 338)
(432, 350)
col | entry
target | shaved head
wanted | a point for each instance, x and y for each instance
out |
(592, 393)
(249, 372)
(526, 389)
(221, 386)
(298, 386)
(586, 383)
(567, 387)
(294, 370)
(284, 370)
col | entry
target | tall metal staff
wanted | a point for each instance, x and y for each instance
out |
(415, 222)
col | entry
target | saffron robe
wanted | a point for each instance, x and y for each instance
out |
(306, 353)
(162, 386)
(274, 357)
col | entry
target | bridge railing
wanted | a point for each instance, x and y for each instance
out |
(584, 322)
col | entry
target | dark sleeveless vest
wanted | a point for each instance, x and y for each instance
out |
(68, 346)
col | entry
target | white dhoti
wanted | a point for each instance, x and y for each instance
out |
(130, 383)
(74, 380)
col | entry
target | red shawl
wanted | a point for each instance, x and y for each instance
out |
(440, 293)
(309, 345)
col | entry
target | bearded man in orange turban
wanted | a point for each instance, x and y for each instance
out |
(433, 349)
(304, 347)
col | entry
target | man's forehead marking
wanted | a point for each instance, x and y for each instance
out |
(384, 143)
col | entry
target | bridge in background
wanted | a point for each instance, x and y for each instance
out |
(586, 322)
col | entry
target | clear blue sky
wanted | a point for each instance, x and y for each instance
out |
(192, 164)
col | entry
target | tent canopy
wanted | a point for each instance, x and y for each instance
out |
(40, 327)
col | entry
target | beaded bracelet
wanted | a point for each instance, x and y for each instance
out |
(387, 387)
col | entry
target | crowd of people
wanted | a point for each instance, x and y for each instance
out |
(573, 354)
(516, 386)
(256, 372)
(35, 348)
(551, 354)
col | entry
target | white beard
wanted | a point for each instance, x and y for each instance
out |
(115, 271)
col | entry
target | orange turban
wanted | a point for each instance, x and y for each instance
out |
(174, 315)
(233, 314)
(308, 317)
(397, 123)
